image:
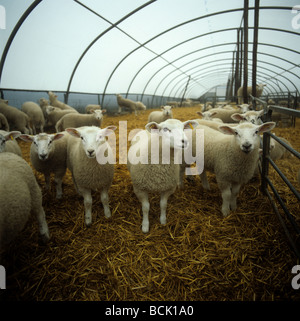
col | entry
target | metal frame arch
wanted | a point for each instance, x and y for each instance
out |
(295, 65)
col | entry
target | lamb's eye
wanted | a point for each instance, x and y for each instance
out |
(81, 137)
(166, 129)
(236, 133)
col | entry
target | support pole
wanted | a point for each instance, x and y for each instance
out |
(254, 51)
(237, 64)
(187, 83)
(245, 85)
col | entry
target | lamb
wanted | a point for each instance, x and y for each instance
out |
(251, 116)
(86, 159)
(277, 151)
(20, 195)
(160, 116)
(54, 114)
(3, 123)
(140, 106)
(232, 158)
(259, 91)
(160, 176)
(225, 114)
(90, 107)
(8, 143)
(124, 102)
(16, 118)
(35, 114)
(48, 154)
(79, 120)
(56, 103)
(207, 115)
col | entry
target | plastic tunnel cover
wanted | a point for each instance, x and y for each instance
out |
(144, 47)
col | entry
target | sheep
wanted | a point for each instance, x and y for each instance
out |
(140, 106)
(48, 154)
(207, 115)
(88, 167)
(232, 158)
(124, 102)
(35, 114)
(225, 114)
(90, 107)
(8, 143)
(20, 195)
(54, 114)
(16, 118)
(160, 176)
(259, 91)
(251, 116)
(56, 103)
(160, 116)
(79, 120)
(277, 151)
(3, 123)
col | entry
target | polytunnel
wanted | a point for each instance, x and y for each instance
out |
(226, 227)
(153, 51)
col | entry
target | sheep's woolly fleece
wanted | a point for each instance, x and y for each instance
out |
(197, 255)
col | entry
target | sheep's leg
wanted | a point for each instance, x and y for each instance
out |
(87, 197)
(33, 130)
(143, 198)
(235, 188)
(105, 203)
(225, 189)
(58, 182)
(163, 206)
(204, 180)
(43, 226)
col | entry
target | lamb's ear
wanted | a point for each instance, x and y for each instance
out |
(199, 113)
(73, 131)
(152, 125)
(227, 130)
(58, 136)
(190, 124)
(237, 117)
(103, 111)
(26, 138)
(162, 107)
(92, 111)
(109, 130)
(12, 135)
(260, 113)
(266, 127)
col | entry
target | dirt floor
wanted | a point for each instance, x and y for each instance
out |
(198, 255)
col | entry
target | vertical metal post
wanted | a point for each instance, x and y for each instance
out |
(237, 64)
(254, 51)
(187, 83)
(245, 85)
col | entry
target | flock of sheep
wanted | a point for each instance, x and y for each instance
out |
(231, 151)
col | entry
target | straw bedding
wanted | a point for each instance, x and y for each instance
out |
(197, 255)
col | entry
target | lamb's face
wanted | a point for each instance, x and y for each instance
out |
(247, 134)
(253, 117)
(98, 114)
(167, 110)
(244, 108)
(43, 145)
(172, 132)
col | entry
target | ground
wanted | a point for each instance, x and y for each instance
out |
(198, 255)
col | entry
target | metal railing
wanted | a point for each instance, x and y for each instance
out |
(266, 182)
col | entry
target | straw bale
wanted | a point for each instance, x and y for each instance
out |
(197, 255)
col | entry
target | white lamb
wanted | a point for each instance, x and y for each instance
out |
(232, 157)
(56, 103)
(259, 91)
(90, 107)
(162, 175)
(207, 115)
(160, 116)
(16, 118)
(8, 143)
(225, 114)
(54, 114)
(35, 114)
(250, 116)
(87, 149)
(140, 106)
(20, 195)
(79, 120)
(48, 154)
(4, 123)
(126, 103)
